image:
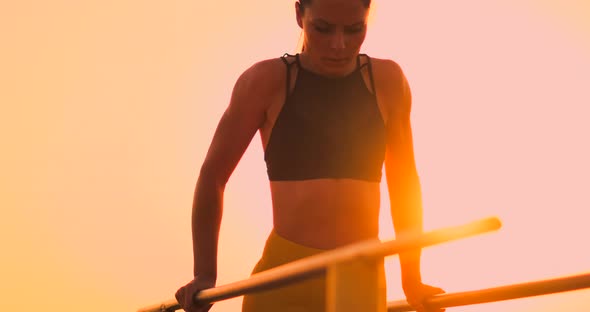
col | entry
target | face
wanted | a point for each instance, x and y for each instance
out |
(334, 31)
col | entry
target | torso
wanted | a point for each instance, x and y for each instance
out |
(323, 213)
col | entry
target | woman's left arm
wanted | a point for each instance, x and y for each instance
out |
(402, 179)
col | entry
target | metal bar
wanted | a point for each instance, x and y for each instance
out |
(167, 306)
(501, 293)
(314, 265)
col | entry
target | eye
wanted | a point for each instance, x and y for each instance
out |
(354, 30)
(323, 30)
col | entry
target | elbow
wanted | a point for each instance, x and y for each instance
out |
(212, 177)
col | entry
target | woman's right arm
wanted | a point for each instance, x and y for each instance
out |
(243, 117)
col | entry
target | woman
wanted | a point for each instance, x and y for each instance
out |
(329, 118)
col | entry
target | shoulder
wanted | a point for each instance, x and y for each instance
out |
(259, 85)
(391, 84)
(263, 75)
(386, 64)
(388, 72)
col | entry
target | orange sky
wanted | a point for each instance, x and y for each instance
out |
(107, 109)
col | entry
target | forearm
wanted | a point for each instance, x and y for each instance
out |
(206, 220)
(406, 212)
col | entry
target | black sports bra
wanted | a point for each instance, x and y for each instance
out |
(327, 128)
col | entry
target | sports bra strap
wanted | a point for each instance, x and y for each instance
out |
(369, 68)
(284, 59)
(358, 64)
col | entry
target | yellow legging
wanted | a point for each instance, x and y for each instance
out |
(304, 296)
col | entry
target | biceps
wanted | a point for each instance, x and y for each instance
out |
(232, 136)
(400, 148)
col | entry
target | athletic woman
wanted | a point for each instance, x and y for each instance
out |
(329, 118)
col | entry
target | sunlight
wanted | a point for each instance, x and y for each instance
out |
(109, 109)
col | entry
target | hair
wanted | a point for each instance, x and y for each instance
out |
(304, 3)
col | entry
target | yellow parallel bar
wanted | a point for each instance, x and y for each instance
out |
(501, 293)
(314, 265)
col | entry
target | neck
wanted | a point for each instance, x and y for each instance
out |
(318, 66)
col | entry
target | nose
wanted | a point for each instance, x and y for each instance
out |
(338, 41)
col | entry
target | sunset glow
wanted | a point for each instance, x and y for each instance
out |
(108, 107)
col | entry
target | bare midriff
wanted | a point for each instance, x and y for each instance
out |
(320, 213)
(326, 213)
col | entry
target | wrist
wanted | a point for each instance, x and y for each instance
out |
(205, 277)
(411, 278)
(410, 272)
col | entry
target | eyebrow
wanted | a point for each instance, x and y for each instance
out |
(322, 21)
